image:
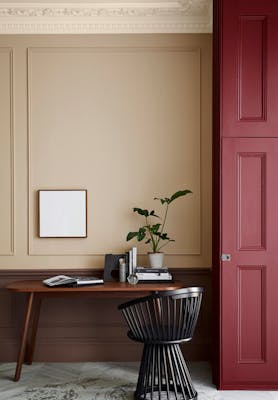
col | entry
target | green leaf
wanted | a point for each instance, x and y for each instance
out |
(157, 234)
(141, 212)
(179, 194)
(148, 241)
(164, 236)
(141, 234)
(131, 235)
(162, 201)
(155, 228)
(152, 213)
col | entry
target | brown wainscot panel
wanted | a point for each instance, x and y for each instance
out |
(88, 329)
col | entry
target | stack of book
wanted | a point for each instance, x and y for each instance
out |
(153, 274)
(131, 260)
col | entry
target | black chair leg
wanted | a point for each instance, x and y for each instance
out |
(163, 371)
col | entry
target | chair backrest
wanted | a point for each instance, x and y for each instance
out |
(168, 316)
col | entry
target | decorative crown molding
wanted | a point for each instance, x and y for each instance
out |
(183, 16)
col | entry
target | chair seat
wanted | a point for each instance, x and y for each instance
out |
(157, 339)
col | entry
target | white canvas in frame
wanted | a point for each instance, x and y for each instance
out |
(62, 213)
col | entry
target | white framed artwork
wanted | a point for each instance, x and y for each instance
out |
(63, 213)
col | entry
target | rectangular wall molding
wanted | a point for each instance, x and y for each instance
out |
(7, 178)
(49, 247)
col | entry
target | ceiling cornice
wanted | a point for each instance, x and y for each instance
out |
(184, 16)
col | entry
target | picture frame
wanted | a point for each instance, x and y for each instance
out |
(63, 213)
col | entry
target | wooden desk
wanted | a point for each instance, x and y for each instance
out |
(36, 291)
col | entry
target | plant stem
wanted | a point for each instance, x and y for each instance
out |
(154, 245)
(162, 228)
(165, 244)
(165, 216)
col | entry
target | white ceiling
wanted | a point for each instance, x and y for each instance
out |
(113, 16)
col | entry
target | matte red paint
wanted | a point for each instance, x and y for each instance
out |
(249, 63)
(245, 186)
(249, 323)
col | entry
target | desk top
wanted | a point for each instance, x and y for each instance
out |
(36, 286)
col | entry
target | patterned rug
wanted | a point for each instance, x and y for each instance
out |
(68, 381)
(101, 381)
(86, 389)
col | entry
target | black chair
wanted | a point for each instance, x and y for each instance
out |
(162, 322)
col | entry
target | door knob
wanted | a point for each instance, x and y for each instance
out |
(226, 257)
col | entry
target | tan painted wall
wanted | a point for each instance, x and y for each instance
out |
(127, 117)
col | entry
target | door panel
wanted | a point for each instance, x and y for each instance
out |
(251, 314)
(249, 68)
(249, 291)
(251, 211)
(252, 68)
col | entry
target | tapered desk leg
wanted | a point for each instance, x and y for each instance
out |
(22, 348)
(35, 322)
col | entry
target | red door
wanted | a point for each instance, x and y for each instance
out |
(250, 279)
(246, 185)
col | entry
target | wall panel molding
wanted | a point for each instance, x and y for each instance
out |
(11, 250)
(32, 251)
(78, 325)
(186, 16)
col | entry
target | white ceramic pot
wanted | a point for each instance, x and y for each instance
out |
(156, 260)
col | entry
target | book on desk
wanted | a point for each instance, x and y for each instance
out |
(153, 274)
(65, 280)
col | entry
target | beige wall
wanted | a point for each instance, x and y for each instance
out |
(127, 117)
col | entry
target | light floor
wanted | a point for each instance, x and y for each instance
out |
(101, 381)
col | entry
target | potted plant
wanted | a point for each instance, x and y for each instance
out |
(154, 232)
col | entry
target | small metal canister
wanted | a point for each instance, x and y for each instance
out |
(122, 270)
